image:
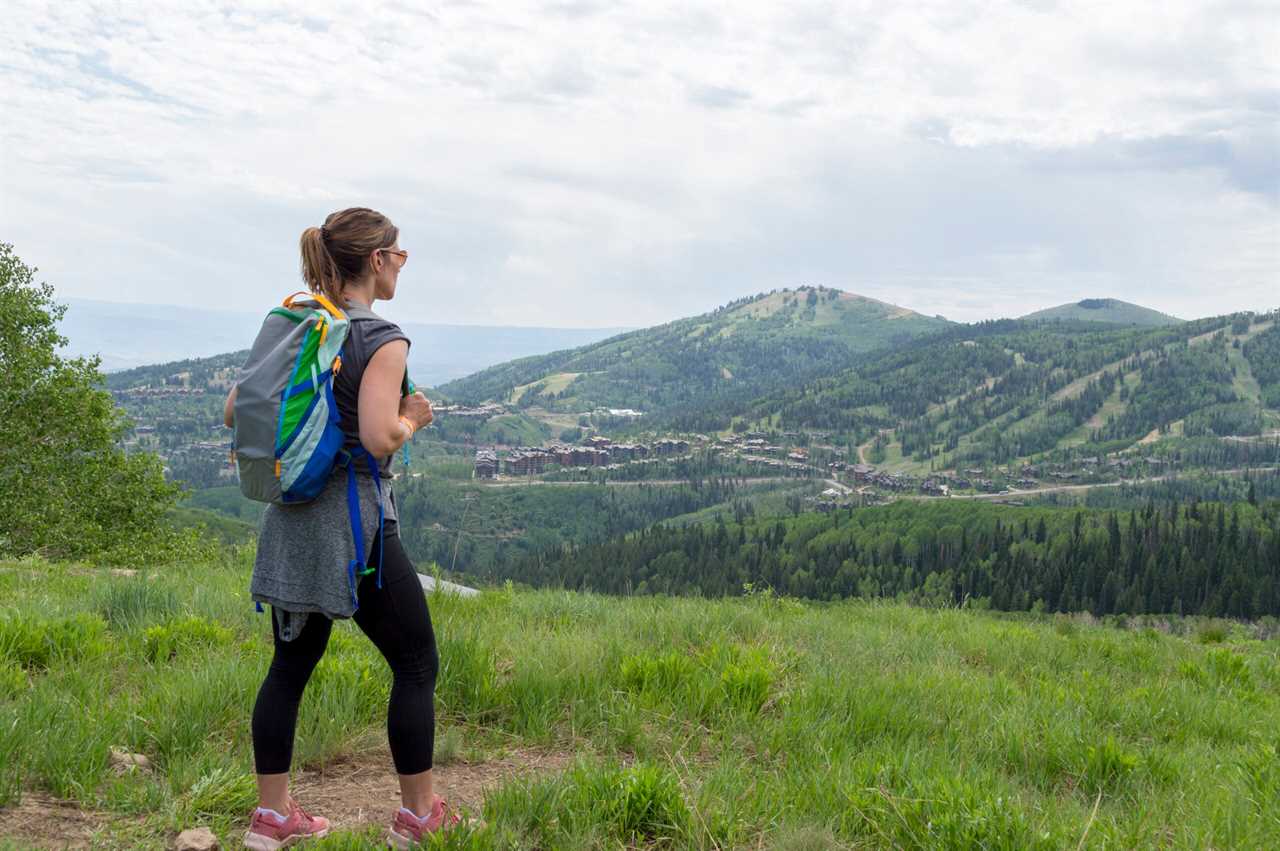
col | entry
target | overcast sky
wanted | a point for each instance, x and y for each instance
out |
(601, 164)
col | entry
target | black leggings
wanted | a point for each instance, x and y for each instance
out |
(396, 619)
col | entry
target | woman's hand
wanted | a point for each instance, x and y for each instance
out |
(418, 410)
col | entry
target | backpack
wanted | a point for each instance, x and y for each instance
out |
(287, 440)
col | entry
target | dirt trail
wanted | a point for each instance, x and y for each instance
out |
(43, 821)
(353, 791)
(361, 789)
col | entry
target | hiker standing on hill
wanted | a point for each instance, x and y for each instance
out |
(304, 569)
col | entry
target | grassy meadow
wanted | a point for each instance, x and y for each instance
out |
(755, 722)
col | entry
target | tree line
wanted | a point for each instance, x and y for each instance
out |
(1213, 559)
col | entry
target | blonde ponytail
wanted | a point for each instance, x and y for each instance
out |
(319, 270)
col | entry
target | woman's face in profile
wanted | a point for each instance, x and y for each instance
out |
(391, 261)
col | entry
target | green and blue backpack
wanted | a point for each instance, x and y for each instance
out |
(287, 438)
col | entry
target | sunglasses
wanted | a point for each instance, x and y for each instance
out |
(403, 255)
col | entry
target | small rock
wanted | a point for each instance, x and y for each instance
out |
(196, 839)
(123, 761)
(123, 571)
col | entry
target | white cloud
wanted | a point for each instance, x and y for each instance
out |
(603, 164)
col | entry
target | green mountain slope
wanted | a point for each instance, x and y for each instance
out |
(1111, 310)
(688, 372)
(997, 392)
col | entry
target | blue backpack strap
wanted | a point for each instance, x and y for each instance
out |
(358, 565)
(377, 482)
(357, 531)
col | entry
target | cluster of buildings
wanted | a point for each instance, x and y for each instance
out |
(611, 415)
(753, 447)
(1091, 466)
(162, 392)
(599, 452)
(466, 412)
(1030, 475)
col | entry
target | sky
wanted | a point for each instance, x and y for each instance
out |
(583, 164)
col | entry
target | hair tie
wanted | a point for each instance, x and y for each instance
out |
(324, 232)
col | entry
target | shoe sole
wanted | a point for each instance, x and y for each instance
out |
(402, 842)
(398, 840)
(258, 842)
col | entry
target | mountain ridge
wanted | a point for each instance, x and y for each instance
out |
(1109, 310)
(739, 350)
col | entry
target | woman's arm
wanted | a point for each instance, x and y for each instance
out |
(229, 410)
(382, 431)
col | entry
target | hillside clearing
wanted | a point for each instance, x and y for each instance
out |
(1244, 382)
(551, 384)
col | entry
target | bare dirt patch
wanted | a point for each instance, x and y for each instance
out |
(361, 788)
(352, 791)
(43, 821)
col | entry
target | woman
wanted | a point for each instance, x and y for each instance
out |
(303, 550)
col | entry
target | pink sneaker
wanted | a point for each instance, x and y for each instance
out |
(407, 828)
(267, 832)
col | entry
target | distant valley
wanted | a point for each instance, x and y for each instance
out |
(132, 335)
(811, 408)
(824, 377)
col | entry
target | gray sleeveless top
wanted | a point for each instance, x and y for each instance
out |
(304, 549)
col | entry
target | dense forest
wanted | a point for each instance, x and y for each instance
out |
(471, 527)
(1196, 558)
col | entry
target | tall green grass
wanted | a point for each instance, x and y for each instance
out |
(689, 723)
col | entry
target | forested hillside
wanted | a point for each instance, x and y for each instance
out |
(1263, 355)
(1000, 391)
(1197, 558)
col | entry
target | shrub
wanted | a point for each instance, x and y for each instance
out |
(222, 792)
(131, 603)
(35, 643)
(668, 673)
(745, 684)
(1228, 669)
(1212, 633)
(745, 678)
(591, 806)
(1106, 764)
(448, 747)
(637, 803)
(13, 680)
(166, 640)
